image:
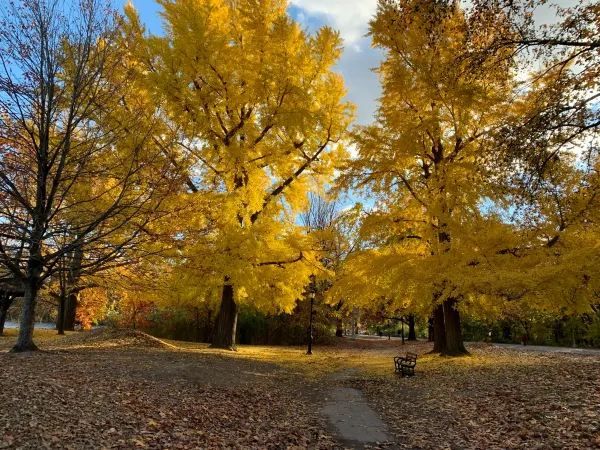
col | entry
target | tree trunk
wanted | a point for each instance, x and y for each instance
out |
(73, 276)
(339, 327)
(60, 320)
(197, 324)
(454, 340)
(70, 313)
(402, 331)
(506, 332)
(4, 305)
(208, 327)
(134, 316)
(27, 321)
(430, 329)
(439, 330)
(226, 322)
(412, 335)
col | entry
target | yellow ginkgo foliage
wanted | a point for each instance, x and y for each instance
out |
(478, 205)
(258, 116)
(425, 160)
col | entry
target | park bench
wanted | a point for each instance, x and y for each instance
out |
(405, 365)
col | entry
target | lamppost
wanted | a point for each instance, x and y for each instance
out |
(311, 294)
(402, 323)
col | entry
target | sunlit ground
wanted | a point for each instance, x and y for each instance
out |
(373, 358)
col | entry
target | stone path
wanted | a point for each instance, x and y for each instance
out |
(353, 421)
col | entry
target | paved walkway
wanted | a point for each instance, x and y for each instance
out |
(353, 421)
(550, 349)
(38, 325)
(526, 348)
(10, 324)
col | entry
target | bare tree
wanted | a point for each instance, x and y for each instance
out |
(74, 177)
(340, 227)
(337, 238)
(564, 58)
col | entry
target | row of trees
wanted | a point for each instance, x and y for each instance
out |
(176, 168)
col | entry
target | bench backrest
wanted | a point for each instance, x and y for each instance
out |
(411, 356)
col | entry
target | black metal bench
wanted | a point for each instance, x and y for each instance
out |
(405, 365)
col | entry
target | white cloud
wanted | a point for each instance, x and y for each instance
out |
(350, 17)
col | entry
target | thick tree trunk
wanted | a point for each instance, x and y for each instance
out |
(339, 327)
(27, 321)
(447, 313)
(60, 319)
(439, 330)
(4, 305)
(412, 335)
(226, 322)
(70, 313)
(454, 340)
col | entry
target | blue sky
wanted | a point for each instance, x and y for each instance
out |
(350, 17)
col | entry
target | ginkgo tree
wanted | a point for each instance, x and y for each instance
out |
(482, 203)
(259, 118)
(425, 160)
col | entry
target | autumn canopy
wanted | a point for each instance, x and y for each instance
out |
(214, 172)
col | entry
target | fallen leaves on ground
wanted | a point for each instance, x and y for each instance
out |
(107, 337)
(119, 389)
(148, 397)
(493, 399)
